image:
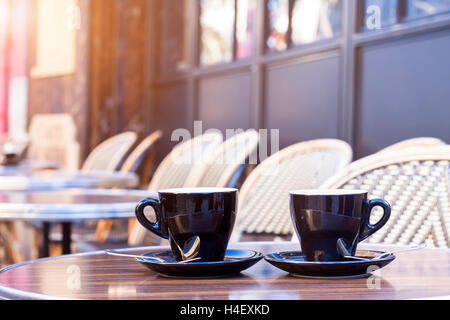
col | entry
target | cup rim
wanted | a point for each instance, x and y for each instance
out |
(327, 192)
(199, 190)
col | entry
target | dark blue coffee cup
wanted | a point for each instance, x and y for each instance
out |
(197, 221)
(327, 219)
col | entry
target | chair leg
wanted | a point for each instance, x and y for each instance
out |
(140, 236)
(35, 247)
(131, 224)
(148, 169)
(55, 249)
(103, 230)
(136, 235)
(13, 248)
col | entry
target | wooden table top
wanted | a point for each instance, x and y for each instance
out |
(413, 275)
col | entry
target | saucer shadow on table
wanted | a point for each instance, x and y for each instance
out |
(235, 262)
(295, 264)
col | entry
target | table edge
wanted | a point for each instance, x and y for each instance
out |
(8, 293)
(109, 180)
(74, 212)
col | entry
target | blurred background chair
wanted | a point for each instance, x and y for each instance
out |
(418, 188)
(134, 161)
(137, 158)
(264, 198)
(54, 137)
(184, 158)
(227, 165)
(173, 172)
(109, 155)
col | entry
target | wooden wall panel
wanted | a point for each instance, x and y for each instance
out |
(69, 93)
(302, 99)
(404, 91)
(109, 91)
(225, 101)
(119, 75)
(172, 37)
(104, 99)
(132, 79)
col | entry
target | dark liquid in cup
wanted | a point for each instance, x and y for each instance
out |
(320, 231)
(200, 235)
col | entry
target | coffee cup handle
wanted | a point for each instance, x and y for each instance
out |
(369, 229)
(154, 227)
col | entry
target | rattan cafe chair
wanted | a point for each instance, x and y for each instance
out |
(136, 158)
(228, 163)
(409, 147)
(131, 165)
(173, 173)
(422, 142)
(109, 155)
(418, 188)
(264, 197)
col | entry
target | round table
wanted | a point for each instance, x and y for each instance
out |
(413, 275)
(67, 206)
(12, 180)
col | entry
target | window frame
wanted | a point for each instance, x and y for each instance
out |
(234, 48)
(262, 50)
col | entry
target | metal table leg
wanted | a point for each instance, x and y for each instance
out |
(45, 247)
(66, 237)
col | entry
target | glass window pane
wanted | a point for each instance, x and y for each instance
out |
(314, 20)
(379, 14)
(420, 8)
(278, 14)
(245, 27)
(217, 31)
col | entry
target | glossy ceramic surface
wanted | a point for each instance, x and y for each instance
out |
(197, 222)
(322, 217)
(294, 262)
(235, 261)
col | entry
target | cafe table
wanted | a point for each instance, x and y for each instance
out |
(67, 206)
(421, 274)
(26, 180)
(29, 165)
